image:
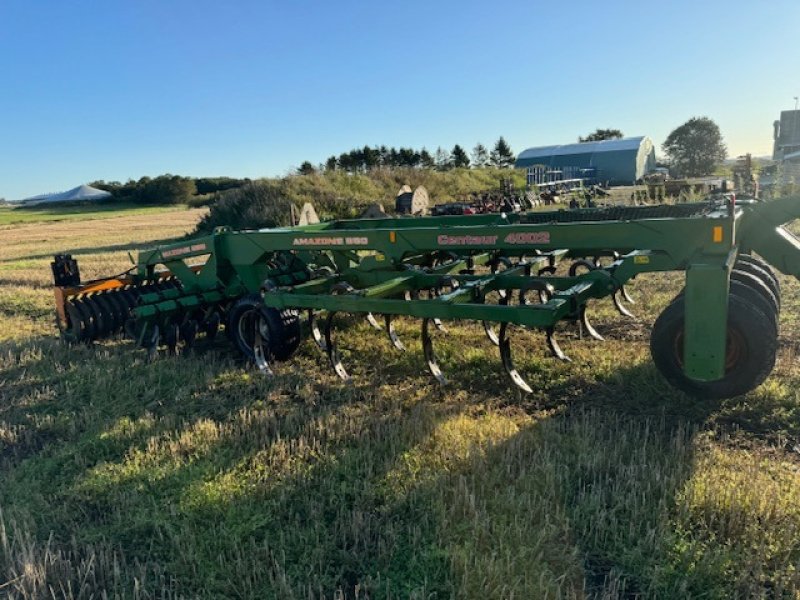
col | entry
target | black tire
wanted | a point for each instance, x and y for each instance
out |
(752, 289)
(750, 354)
(281, 336)
(760, 269)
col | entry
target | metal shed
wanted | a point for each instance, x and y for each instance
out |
(621, 161)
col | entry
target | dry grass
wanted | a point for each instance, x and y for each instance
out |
(193, 477)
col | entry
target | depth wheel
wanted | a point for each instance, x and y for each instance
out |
(758, 268)
(750, 351)
(260, 331)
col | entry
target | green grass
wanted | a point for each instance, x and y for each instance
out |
(10, 215)
(193, 476)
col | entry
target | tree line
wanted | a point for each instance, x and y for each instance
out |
(168, 188)
(362, 160)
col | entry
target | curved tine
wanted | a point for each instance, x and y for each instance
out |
(372, 321)
(259, 356)
(211, 324)
(396, 341)
(619, 306)
(319, 340)
(573, 268)
(171, 338)
(585, 325)
(495, 268)
(430, 355)
(439, 325)
(333, 352)
(188, 331)
(626, 295)
(150, 342)
(491, 333)
(508, 361)
(555, 349)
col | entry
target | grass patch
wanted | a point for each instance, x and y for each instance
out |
(10, 215)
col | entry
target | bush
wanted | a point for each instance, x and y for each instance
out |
(252, 206)
(341, 195)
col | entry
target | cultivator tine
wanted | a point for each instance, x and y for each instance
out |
(491, 333)
(171, 338)
(372, 321)
(390, 331)
(188, 333)
(585, 325)
(626, 295)
(150, 341)
(319, 339)
(259, 345)
(621, 307)
(211, 324)
(439, 325)
(333, 351)
(555, 349)
(430, 356)
(508, 361)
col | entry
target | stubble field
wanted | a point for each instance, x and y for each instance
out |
(193, 476)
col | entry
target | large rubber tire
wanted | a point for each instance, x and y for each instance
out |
(759, 268)
(282, 334)
(752, 290)
(750, 354)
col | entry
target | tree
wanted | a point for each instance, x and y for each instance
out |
(602, 134)
(695, 148)
(306, 169)
(330, 164)
(425, 159)
(442, 159)
(502, 156)
(480, 156)
(458, 157)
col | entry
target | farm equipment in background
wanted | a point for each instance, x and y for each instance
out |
(268, 288)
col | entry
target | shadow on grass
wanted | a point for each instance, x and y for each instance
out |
(300, 485)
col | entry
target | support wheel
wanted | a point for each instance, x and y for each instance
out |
(262, 333)
(749, 356)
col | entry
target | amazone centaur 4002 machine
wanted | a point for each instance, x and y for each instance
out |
(716, 339)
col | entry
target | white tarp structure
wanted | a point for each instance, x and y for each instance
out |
(80, 193)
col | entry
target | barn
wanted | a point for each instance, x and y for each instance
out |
(619, 162)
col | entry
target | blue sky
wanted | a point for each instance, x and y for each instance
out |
(117, 90)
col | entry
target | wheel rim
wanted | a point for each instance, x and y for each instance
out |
(735, 349)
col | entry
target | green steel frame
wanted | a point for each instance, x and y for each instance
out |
(384, 266)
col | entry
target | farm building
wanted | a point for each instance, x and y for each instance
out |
(621, 161)
(81, 193)
(786, 135)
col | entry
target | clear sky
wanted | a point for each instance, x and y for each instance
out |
(114, 90)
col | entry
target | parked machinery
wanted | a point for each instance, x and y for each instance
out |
(717, 338)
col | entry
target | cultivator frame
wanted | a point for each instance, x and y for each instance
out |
(443, 268)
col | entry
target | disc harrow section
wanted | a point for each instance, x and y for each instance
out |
(523, 279)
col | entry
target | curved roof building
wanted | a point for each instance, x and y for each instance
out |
(621, 161)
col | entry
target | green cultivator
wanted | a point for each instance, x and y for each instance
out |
(717, 338)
